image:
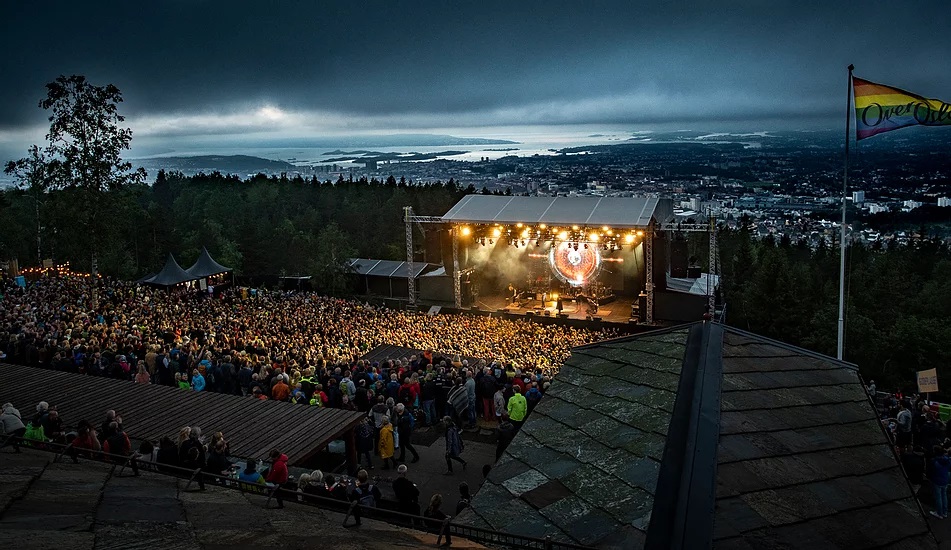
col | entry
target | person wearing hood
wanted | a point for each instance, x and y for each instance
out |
(198, 381)
(13, 428)
(386, 444)
(277, 474)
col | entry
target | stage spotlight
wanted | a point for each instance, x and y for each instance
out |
(629, 238)
(466, 231)
(519, 224)
(525, 233)
(605, 228)
(594, 237)
(574, 227)
(563, 236)
(542, 226)
(640, 233)
(496, 233)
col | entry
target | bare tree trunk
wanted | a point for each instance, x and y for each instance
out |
(39, 229)
(93, 275)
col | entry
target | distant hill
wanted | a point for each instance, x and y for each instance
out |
(390, 140)
(231, 164)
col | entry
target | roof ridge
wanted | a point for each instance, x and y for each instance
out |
(778, 343)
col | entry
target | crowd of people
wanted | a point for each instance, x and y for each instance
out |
(153, 336)
(298, 347)
(923, 443)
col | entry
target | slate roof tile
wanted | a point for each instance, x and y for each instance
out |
(507, 467)
(591, 527)
(802, 462)
(524, 482)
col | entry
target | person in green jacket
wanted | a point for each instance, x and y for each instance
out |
(517, 408)
(182, 381)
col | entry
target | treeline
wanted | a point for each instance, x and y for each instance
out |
(260, 226)
(899, 298)
(898, 316)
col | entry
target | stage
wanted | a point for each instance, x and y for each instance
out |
(616, 311)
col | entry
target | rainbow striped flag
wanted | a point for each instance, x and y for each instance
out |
(880, 108)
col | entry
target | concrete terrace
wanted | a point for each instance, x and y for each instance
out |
(87, 506)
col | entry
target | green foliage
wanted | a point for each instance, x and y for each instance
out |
(898, 302)
(262, 226)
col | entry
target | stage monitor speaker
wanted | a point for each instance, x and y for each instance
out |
(547, 313)
(529, 313)
(596, 319)
(678, 259)
(502, 310)
(562, 315)
(693, 272)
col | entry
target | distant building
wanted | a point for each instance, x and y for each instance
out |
(876, 208)
(909, 205)
(858, 197)
(695, 204)
(944, 201)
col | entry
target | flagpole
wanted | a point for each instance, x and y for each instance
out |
(845, 190)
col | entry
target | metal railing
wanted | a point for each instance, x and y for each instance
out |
(440, 528)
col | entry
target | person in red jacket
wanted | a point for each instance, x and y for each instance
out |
(277, 474)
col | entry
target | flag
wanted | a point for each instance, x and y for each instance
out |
(881, 108)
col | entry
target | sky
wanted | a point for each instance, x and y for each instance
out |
(209, 72)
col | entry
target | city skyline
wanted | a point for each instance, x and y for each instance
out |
(208, 74)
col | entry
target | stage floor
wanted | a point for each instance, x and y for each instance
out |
(618, 311)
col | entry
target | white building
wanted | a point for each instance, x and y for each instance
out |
(909, 205)
(876, 208)
(858, 197)
(944, 201)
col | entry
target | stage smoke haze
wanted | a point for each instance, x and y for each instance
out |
(501, 264)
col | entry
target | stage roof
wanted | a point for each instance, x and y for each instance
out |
(589, 211)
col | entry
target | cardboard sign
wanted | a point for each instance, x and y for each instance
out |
(927, 381)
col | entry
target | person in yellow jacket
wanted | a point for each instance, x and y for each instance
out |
(517, 407)
(386, 445)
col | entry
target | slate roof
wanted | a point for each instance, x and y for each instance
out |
(591, 211)
(802, 460)
(584, 468)
(703, 436)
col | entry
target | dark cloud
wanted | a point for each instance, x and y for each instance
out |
(209, 67)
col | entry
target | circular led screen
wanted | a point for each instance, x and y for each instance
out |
(575, 267)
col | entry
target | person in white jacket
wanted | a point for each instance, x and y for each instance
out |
(12, 426)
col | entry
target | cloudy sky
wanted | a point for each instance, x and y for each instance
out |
(247, 72)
